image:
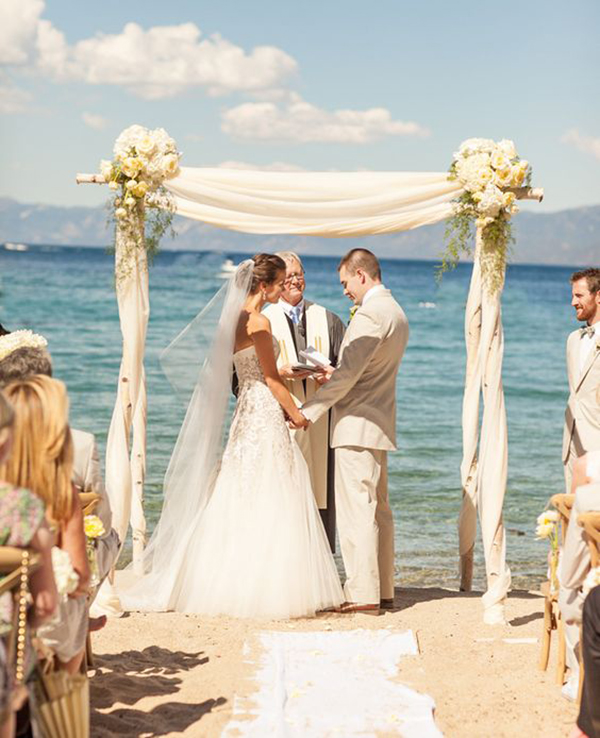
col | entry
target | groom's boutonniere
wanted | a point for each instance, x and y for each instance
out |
(353, 309)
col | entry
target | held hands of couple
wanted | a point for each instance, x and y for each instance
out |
(298, 422)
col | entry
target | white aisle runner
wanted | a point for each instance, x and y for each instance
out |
(333, 683)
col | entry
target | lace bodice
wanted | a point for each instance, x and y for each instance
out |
(258, 417)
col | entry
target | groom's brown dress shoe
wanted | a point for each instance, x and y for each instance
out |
(386, 604)
(349, 607)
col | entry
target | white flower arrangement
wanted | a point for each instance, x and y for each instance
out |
(592, 580)
(19, 339)
(143, 160)
(93, 528)
(487, 170)
(547, 527)
(65, 576)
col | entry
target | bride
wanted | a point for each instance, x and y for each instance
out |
(240, 533)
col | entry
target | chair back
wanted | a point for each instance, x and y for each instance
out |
(89, 501)
(563, 503)
(590, 522)
(12, 562)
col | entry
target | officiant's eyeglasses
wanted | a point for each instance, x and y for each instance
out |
(294, 277)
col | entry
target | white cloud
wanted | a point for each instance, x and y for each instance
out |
(19, 20)
(276, 166)
(159, 62)
(12, 99)
(93, 120)
(300, 122)
(587, 144)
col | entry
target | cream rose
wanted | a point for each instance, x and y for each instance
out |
(507, 147)
(106, 169)
(131, 166)
(141, 189)
(170, 165)
(120, 212)
(145, 145)
(500, 160)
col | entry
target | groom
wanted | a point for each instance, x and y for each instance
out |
(362, 391)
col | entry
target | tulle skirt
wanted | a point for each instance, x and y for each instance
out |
(259, 549)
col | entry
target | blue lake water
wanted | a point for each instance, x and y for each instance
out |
(67, 295)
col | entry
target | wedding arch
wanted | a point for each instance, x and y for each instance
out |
(484, 181)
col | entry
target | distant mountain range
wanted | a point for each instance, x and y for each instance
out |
(569, 237)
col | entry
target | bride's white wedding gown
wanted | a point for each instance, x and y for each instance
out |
(258, 548)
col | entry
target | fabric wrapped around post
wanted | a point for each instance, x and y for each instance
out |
(484, 475)
(125, 470)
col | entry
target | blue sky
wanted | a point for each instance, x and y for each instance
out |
(385, 85)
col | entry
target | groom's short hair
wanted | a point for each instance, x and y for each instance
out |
(361, 259)
(591, 276)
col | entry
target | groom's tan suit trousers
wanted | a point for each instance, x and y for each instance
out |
(362, 392)
(582, 416)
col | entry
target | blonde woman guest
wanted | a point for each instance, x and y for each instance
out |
(21, 524)
(30, 357)
(42, 460)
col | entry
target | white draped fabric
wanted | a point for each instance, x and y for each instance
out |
(484, 470)
(125, 467)
(330, 204)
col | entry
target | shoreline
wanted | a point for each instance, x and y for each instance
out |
(176, 674)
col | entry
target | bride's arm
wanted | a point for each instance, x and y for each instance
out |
(259, 330)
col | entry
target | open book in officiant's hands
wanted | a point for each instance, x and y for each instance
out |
(313, 356)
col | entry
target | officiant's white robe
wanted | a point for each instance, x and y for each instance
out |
(322, 329)
(362, 393)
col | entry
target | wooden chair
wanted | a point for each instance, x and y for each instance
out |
(552, 617)
(89, 502)
(590, 522)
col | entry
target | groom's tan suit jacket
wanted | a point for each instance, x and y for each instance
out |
(582, 417)
(362, 390)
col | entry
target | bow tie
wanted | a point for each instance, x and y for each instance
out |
(588, 330)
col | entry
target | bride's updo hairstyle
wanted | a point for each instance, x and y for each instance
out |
(267, 268)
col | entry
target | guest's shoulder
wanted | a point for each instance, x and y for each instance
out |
(82, 439)
(21, 514)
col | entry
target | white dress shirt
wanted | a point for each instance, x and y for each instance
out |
(373, 291)
(587, 343)
(294, 312)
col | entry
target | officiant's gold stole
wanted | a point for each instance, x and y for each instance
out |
(313, 442)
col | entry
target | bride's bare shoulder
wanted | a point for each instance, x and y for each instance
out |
(257, 323)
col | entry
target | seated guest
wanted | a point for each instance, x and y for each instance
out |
(575, 560)
(42, 460)
(22, 525)
(28, 360)
(589, 713)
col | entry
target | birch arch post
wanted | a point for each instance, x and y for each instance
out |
(320, 204)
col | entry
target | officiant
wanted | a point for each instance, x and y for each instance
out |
(297, 323)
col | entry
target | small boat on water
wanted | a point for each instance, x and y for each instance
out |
(227, 269)
(16, 246)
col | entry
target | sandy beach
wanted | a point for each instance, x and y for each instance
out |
(170, 674)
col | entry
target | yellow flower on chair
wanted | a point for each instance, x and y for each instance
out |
(93, 526)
